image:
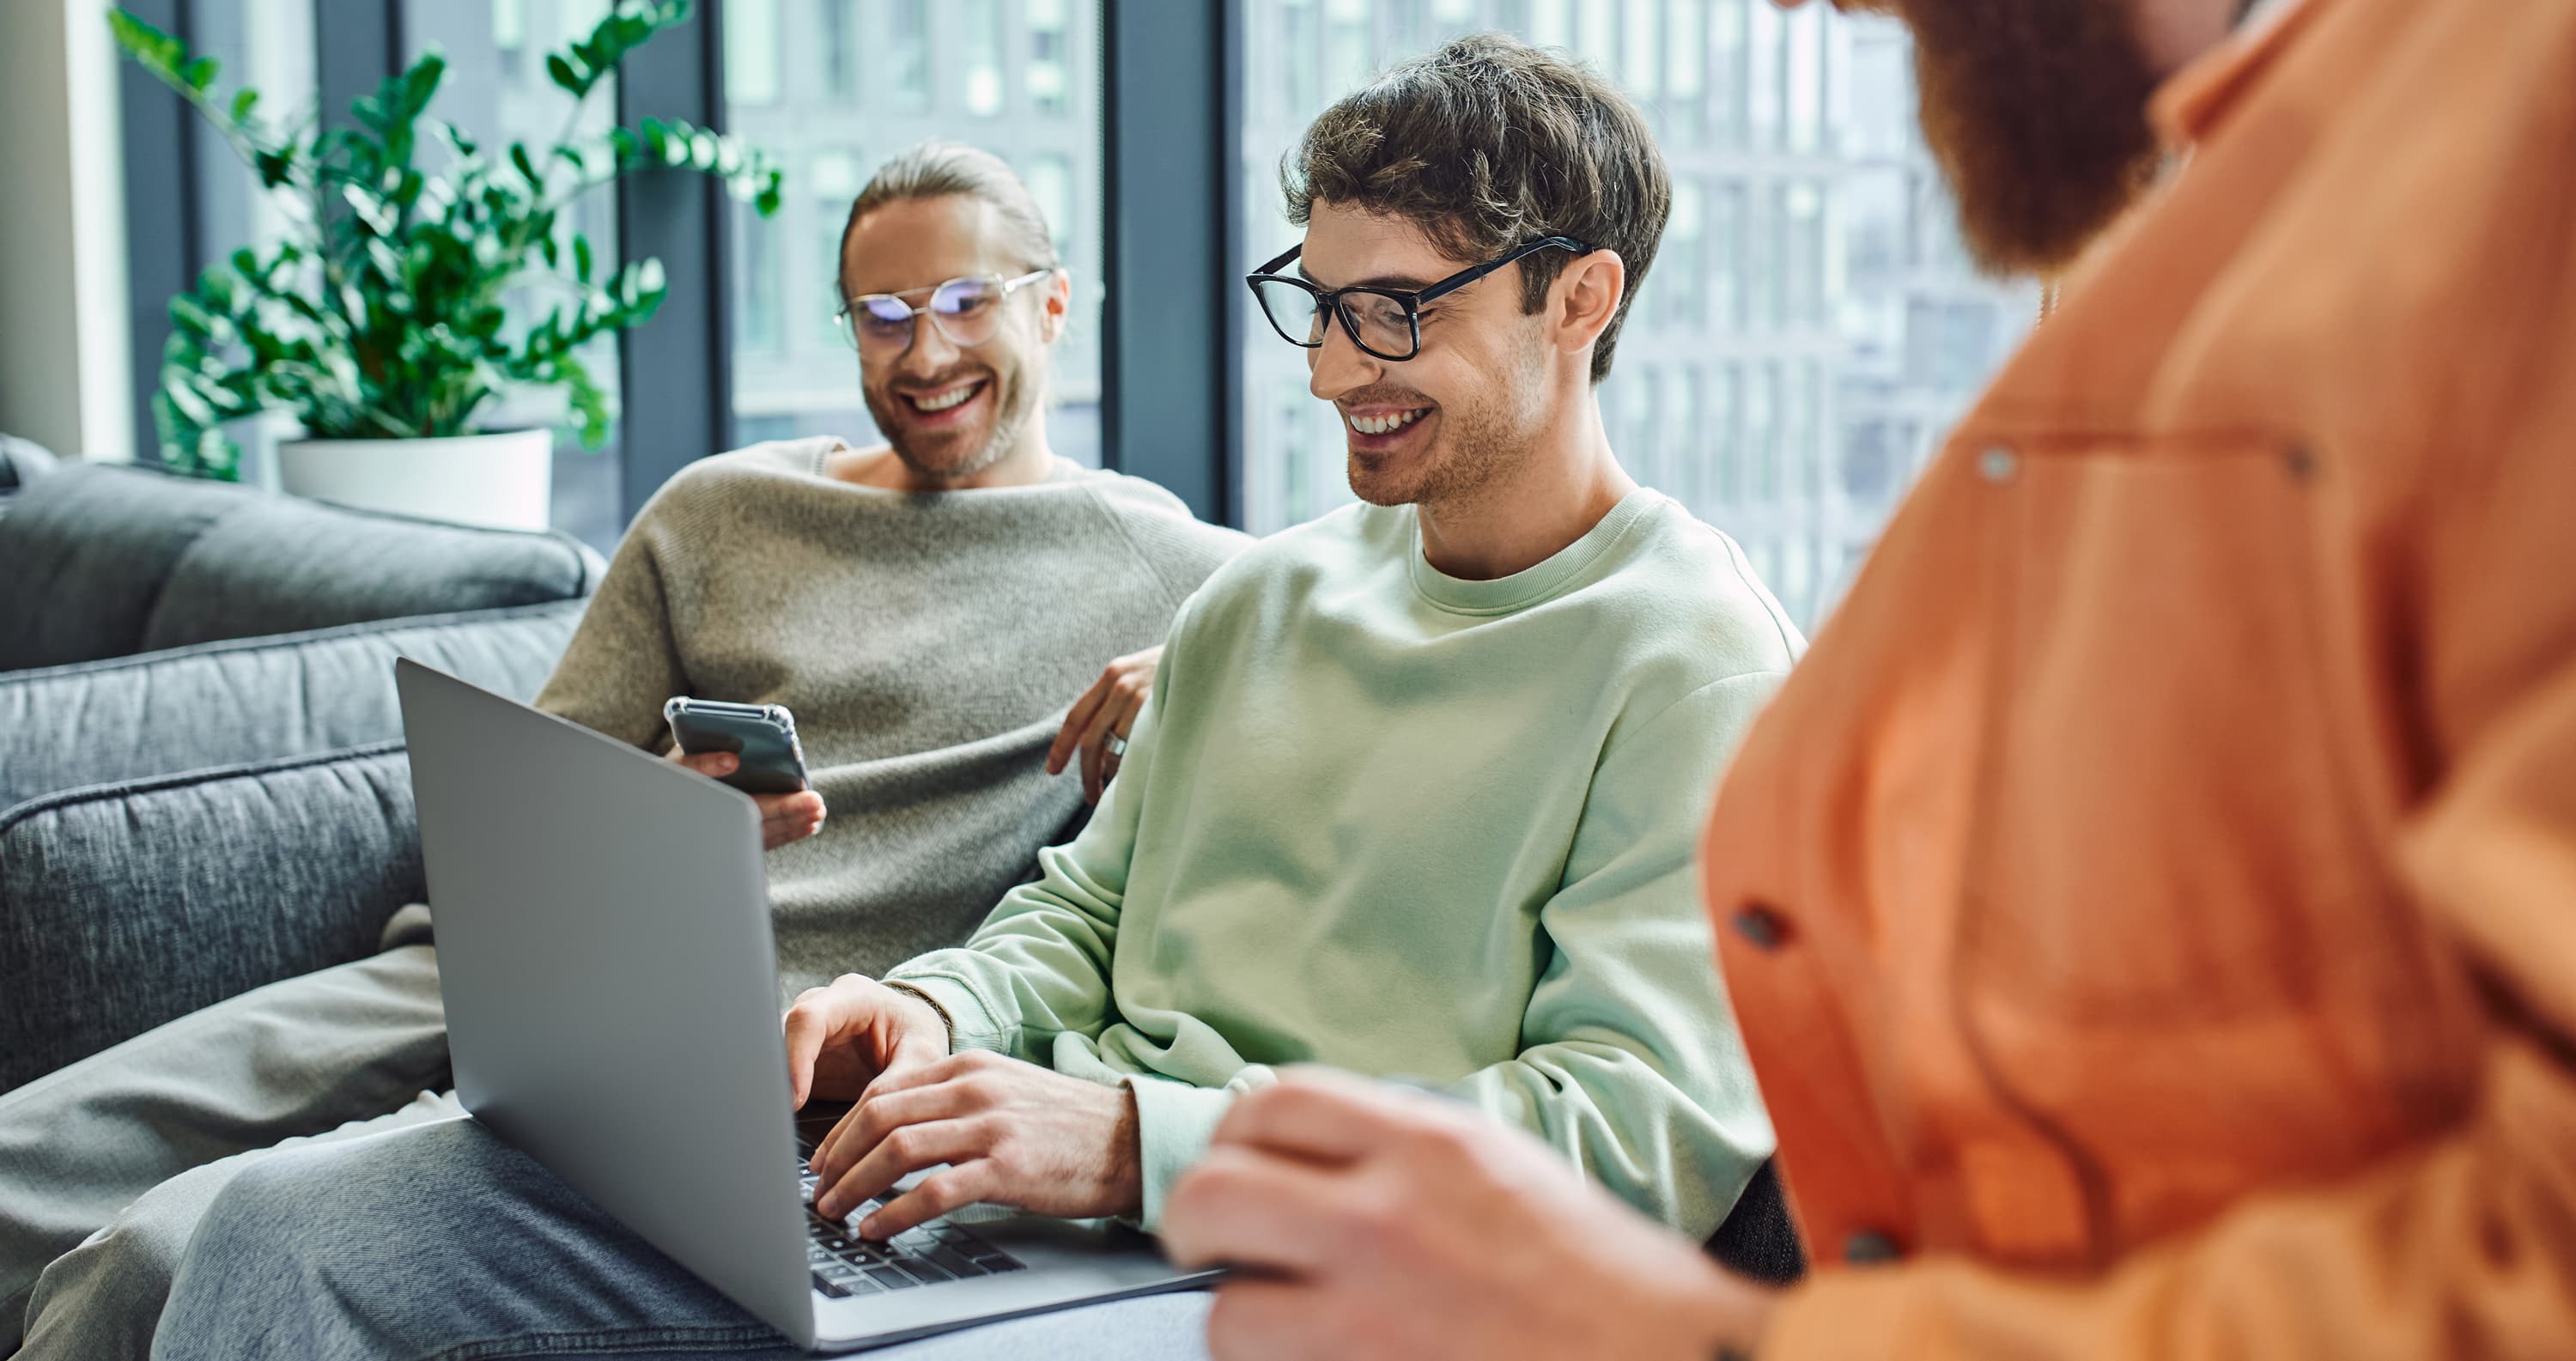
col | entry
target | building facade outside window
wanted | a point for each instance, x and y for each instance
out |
(1812, 323)
(1019, 78)
(899, 62)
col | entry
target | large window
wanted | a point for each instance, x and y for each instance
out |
(496, 90)
(1811, 323)
(266, 45)
(1811, 327)
(1019, 78)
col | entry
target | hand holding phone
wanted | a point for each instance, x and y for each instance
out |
(753, 748)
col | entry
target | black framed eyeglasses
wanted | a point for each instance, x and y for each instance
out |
(1384, 322)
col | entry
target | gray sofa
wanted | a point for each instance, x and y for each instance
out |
(202, 786)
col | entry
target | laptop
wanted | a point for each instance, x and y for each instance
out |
(612, 1010)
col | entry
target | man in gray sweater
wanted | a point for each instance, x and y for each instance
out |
(926, 608)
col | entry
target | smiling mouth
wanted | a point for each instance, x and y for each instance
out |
(943, 399)
(1383, 423)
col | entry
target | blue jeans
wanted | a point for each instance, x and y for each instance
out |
(441, 1241)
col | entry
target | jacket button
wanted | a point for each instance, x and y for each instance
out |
(1869, 1246)
(1757, 923)
(1998, 463)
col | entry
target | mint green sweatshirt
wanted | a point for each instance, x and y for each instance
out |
(1408, 825)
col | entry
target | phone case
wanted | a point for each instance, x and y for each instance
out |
(763, 735)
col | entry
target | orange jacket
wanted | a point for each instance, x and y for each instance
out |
(2151, 910)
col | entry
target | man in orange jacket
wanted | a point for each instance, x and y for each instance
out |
(2151, 910)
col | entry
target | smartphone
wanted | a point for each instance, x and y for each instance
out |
(763, 735)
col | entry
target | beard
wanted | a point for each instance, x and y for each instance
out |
(2036, 111)
(955, 456)
(1480, 441)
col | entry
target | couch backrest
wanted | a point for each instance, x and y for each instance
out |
(254, 699)
(99, 561)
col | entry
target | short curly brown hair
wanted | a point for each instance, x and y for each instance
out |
(1488, 143)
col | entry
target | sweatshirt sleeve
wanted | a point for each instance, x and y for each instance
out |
(622, 662)
(1630, 1062)
(2465, 1247)
(1039, 966)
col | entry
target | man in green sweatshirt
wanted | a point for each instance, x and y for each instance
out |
(1415, 795)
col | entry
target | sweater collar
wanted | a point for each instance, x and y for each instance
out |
(1527, 587)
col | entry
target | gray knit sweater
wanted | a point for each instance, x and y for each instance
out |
(928, 646)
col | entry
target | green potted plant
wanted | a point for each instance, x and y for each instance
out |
(384, 321)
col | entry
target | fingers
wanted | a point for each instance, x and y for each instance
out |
(918, 1061)
(1323, 1116)
(915, 1061)
(806, 1031)
(788, 817)
(715, 765)
(935, 1195)
(1109, 760)
(1094, 743)
(1263, 1320)
(878, 1115)
(827, 1163)
(811, 1022)
(900, 1154)
(1243, 1208)
(1116, 717)
(816, 1018)
(1078, 721)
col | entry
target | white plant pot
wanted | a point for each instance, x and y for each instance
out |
(505, 481)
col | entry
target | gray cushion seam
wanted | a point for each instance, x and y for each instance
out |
(560, 539)
(300, 638)
(102, 793)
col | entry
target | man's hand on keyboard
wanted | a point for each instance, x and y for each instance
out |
(842, 1037)
(1012, 1133)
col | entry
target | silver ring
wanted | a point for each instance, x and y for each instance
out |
(1116, 745)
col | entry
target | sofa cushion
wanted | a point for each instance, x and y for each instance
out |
(85, 552)
(21, 462)
(250, 699)
(106, 561)
(124, 906)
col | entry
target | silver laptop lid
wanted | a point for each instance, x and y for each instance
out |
(572, 877)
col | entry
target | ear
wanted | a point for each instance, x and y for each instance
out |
(1584, 298)
(1055, 306)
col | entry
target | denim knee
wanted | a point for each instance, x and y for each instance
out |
(305, 1199)
(267, 1262)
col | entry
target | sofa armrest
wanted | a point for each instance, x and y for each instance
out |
(124, 906)
(254, 699)
(21, 462)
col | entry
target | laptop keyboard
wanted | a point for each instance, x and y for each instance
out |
(844, 1264)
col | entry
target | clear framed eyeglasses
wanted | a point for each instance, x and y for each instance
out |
(965, 310)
